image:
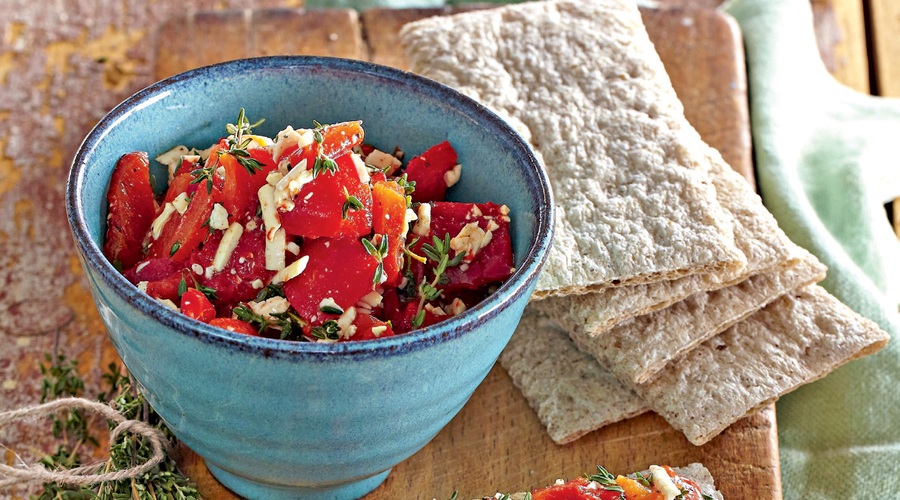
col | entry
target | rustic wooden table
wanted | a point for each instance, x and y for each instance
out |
(63, 67)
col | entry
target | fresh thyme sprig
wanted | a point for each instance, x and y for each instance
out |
(322, 163)
(438, 252)
(379, 252)
(205, 290)
(351, 203)
(129, 450)
(330, 330)
(287, 322)
(605, 479)
(237, 144)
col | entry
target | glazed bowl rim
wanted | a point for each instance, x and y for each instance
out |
(517, 285)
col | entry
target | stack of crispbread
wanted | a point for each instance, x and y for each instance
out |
(669, 286)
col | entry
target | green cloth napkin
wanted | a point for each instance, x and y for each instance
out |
(826, 162)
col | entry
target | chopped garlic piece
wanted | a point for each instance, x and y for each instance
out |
(437, 311)
(290, 137)
(371, 299)
(266, 308)
(294, 248)
(197, 268)
(329, 302)
(218, 219)
(227, 245)
(181, 203)
(273, 178)
(160, 221)
(257, 284)
(383, 161)
(250, 225)
(378, 330)
(451, 177)
(456, 307)
(361, 170)
(664, 483)
(410, 216)
(275, 248)
(168, 303)
(291, 271)
(423, 224)
(345, 322)
(257, 141)
(271, 221)
(142, 286)
(290, 185)
(470, 240)
(172, 159)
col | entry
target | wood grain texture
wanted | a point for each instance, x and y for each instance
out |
(236, 34)
(885, 26)
(841, 37)
(497, 442)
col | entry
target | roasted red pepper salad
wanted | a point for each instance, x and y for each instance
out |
(313, 236)
(661, 483)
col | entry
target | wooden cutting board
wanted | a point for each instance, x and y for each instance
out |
(497, 442)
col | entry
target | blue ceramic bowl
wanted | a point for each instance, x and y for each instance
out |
(274, 418)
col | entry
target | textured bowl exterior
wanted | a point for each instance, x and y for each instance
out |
(275, 418)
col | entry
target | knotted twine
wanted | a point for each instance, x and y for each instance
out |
(84, 475)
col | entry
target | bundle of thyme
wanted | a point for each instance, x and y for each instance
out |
(71, 427)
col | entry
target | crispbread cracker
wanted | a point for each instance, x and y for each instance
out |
(795, 340)
(635, 350)
(756, 234)
(582, 81)
(570, 392)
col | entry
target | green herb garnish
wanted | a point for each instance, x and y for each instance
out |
(379, 252)
(237, 145)
(605, 479)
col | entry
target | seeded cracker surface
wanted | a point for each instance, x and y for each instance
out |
(571, 393)
(637, 349)
(583, 83)
(797, 339)
(756, 234)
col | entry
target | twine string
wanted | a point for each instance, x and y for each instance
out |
(84, 475)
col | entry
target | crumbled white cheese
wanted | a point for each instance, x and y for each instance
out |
(218, 219)
(408, 217)
(361, 170)
(329, 302)
(383, 161)
(181, 203)
(257, 284)
(291, 271)
(378, 330)
(290, 137)
(271, 220)
(423, 224)
(470, 240)
(664, 483)
(290, 185)
(160, 221)
(266, 308)
(345, 323)
(456, 307)
(227, 245)
(451, 177)
(168, 303)
(273, 178)
(371, 300)
(197, 268)
(275, 248)
(436, 311)
(172, 159)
